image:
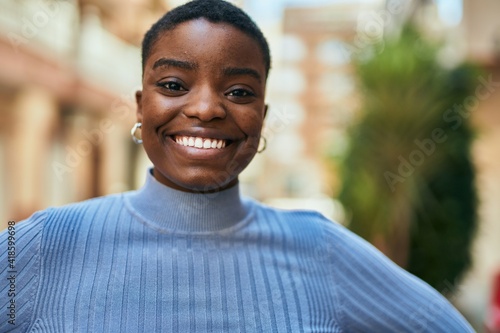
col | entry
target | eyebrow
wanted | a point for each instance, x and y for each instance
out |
(235, 71)
(228, 71)
(165, 62)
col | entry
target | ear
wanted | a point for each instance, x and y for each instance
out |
(138, 100)
(266, 107)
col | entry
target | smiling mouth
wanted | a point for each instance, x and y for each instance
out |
(201, 143)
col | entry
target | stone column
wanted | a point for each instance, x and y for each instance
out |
(34, 116)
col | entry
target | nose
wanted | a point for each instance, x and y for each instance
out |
(205, 104)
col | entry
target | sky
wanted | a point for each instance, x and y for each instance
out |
(450, 11)
(264, 10)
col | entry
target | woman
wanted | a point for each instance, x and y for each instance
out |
(186, 253)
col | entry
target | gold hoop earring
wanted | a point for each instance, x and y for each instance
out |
(132, 132)
(264, 145)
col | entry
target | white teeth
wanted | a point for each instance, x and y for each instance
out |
(198, 143)
(204, 143)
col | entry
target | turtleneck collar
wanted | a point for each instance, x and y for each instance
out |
(179, 211)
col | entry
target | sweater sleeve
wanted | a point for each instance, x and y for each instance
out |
(376, 295)
(19, 272)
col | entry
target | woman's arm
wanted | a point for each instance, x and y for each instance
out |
(378, 296)
(19, 272)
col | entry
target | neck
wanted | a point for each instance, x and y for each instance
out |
(205, 190)
(175, 210)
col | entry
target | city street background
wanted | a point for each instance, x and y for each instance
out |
(69, 71)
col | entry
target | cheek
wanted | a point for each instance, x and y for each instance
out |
(156, 111)
(250, 122)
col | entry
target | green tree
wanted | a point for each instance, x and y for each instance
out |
(407, 176)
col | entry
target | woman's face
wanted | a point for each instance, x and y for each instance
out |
(202, 105)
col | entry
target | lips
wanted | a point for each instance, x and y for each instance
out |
(200, 142)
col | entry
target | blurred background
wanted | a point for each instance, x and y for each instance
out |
(383, 116)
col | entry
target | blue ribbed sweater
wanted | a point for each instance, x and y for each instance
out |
(160, 260)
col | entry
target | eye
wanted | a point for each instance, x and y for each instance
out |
(241, 93)
(171, 85)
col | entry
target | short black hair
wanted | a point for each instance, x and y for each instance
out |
(215, 11)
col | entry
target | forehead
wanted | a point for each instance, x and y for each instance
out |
(200, 40)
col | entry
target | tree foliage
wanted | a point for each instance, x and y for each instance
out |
(408, 179)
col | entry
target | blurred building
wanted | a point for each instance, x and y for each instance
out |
(68, 72)
(312, 96)
(481, 36)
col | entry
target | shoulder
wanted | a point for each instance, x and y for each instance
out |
(329, 236)
(335, 239)
(87, 211)
(24, 236)
(55, 225)
(296, 218)
(312, 233)
(19, 274)
(87, 207)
